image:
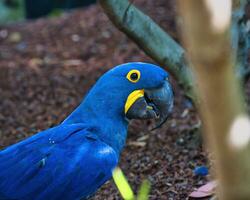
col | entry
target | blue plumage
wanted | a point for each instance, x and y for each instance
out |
(53, 165)
(73, 159)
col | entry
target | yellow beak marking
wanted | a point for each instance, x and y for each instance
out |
(132, 97)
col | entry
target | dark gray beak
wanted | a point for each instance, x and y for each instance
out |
(155, 104)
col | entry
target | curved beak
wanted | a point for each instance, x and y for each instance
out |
(150, 104)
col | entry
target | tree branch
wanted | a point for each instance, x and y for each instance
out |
(155, 42)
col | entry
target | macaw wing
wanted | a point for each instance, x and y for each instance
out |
(65, 162)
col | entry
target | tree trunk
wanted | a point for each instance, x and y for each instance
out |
(206, 33)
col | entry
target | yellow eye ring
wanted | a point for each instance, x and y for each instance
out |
(134, 75)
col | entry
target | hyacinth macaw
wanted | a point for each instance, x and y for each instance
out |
(72, 160)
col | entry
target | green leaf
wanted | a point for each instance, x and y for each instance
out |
(144, 190)
(12, 14)
(122, 184)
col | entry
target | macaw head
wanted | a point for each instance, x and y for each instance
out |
(130, 91)
(147, 91)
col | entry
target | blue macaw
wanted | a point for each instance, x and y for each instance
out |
(72, 160)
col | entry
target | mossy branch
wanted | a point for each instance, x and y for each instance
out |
(155, 42)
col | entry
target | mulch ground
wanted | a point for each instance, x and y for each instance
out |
(46, 67)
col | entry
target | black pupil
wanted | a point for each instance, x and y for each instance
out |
(134, 76)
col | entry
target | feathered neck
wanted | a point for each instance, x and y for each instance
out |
(102, 110)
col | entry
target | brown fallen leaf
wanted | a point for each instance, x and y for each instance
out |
(206, 190)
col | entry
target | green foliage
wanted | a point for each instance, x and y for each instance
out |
(11, 13)
(55, 13)
(144, 190)
(123, 185)
(125, 189)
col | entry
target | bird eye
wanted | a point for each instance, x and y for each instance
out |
(134, 76)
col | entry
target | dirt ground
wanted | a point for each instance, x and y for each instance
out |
(46, 67)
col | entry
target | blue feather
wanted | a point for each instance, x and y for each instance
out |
(65, 162)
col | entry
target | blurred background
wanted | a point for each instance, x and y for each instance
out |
(17, 10)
